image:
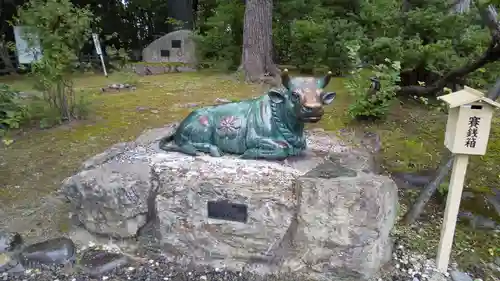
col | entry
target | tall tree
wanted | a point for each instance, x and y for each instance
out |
(257, 40)
(183, 11)
(461, 6)
(7, 11)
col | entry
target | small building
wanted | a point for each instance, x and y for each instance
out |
(469, 121)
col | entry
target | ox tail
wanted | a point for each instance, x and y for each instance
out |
(164, 145)
(164, 142)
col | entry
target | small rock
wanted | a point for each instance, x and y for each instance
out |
(10, 241)
(436, 276)
(9, 264)
(154, 111)
(331, 169)
(481, 222)
(189, 105)
(54, 251)
(460, 276)
(118, 87)
(97, 262)
(221, 100)
(141, 108)
(418, 180)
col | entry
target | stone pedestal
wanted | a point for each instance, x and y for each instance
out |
(324, 214)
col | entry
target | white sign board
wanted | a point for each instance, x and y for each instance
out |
(98, 50)
(97, 44)
(26, 54)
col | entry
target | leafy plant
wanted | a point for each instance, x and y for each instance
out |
(219, 38)
(443, 188)
(119, 58)
(369, 104)
(12, 112)
(61, 30)
(308, 48)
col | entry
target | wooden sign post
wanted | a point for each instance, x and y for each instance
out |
(467, 132)
(98, 50)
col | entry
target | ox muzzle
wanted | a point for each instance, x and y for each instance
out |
(310, 113)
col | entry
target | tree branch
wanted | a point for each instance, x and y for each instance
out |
(425, 195)
(489, 16)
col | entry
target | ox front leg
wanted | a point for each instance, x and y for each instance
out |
(267, 149)
(211, 149)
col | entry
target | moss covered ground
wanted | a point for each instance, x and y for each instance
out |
(412, 139)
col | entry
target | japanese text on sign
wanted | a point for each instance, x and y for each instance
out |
(470, 140)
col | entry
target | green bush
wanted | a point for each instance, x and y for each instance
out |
(369, 105)
(309, 44)
(12, 111)
(219, 39)
(61, 30)
(38, 113)
(41, 114)
(340, 33)
(428, 39)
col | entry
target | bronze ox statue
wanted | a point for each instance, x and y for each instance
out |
(267, 127)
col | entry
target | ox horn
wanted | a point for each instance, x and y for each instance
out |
(285, 79)
(326, 79)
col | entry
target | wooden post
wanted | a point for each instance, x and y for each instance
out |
(98, 50)
(467, 132)
(103, 65)
(451, 211)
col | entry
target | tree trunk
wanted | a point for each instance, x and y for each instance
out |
(461, 6)
(4, 50)
(5, 57)
(181, 10)
(425, 195)
(257, 40)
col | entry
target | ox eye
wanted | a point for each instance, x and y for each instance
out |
(295, 96)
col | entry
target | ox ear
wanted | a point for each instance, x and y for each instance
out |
(324, 82)
(276, 96)
(285, 79)
(328, 97)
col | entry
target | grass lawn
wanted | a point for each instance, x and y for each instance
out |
(412, 139)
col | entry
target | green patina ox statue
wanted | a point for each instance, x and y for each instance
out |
(268, 127)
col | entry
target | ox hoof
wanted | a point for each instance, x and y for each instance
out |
(215, 152)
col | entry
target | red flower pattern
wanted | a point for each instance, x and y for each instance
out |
(229, 124)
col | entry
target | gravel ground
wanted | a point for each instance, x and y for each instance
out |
(151, 270)
(404, 267)
(148, 266)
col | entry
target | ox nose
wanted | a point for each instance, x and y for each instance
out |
(313, 109)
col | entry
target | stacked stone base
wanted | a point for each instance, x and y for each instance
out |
(324, 214)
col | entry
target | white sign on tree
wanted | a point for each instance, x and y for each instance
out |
(467, 133)
(26, 54)
(98, 50)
